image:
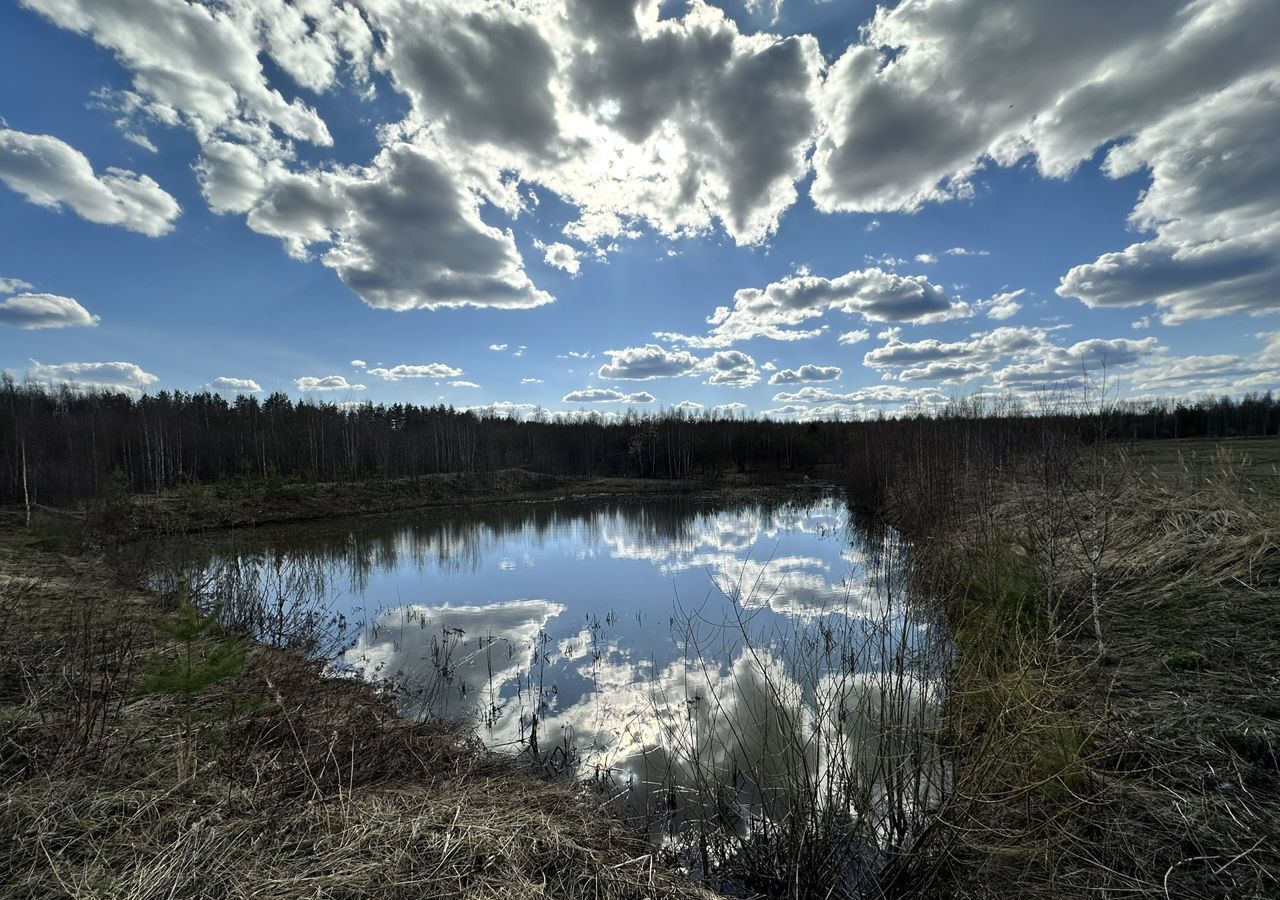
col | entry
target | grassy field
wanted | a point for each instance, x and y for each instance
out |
(1113, 712)
(1189, 463)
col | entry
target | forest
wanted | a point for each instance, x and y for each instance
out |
(60, 445)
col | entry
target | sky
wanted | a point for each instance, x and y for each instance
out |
(786, 207)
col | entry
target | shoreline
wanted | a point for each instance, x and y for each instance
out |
(199, 508)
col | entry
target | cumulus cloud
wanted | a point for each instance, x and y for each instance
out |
(646, 363)
(662, 100)
(1067, 366)
(954, 361)
(403, 233)
(637, 115)
(779, 310)
(202, 62)
(1215, 185)
(125, 377)
(563, 257)
(463, 384)
(309, 383)
(1223, 373)
(497, 348)
(731, 367)
(44, 311)
(880, 393)
(688, 406)
(239, 385)
(806, 373)
(358, 363)
(1002, 306)
(630, 115)
(52, 173)
(1189, 92)
(856, 336)
(505, 409)
(607, 395)
(429, 370)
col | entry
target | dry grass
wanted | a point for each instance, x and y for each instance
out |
(290, 785)
(1149, 770)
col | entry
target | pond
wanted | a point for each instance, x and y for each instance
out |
(691, 655)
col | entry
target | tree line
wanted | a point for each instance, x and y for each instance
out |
(59, 445)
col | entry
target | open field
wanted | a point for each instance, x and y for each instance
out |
(1189, 462)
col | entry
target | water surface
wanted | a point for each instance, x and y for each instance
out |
(661, 643)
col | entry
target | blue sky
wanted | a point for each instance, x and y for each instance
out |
(269, 192)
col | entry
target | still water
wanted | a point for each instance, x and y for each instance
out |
(656, 643)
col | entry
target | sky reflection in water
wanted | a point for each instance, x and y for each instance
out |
(611, 621)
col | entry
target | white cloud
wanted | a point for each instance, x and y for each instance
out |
(51, 173)
(429, 370)
(44, 311)
(778, 310)
(202, 62)
(504, 409)
(630, 115)
(531, 381)
(1215, 186)
(688, 406)
(806, 373)
(1225, 373)
(927, 259)
(647, 362)
(880, 393)
(463, 384)
(1066, 366)
(326, 383)
(729, 408)
(13, 285)
(563, 257)
(1002, 306)
(113, 376)
(1189, 92)
(358, 363)
(965, 251)
(239, 385)
(931, 359)
(497, 348)
(856, 336)
(607, 395)
(403, 233)
(731, 367)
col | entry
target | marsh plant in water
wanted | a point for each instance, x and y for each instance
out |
(748, 683)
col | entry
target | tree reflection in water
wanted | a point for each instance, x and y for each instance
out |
(734, 676)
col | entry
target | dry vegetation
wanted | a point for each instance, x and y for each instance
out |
(266, 783)
(1112, 715)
